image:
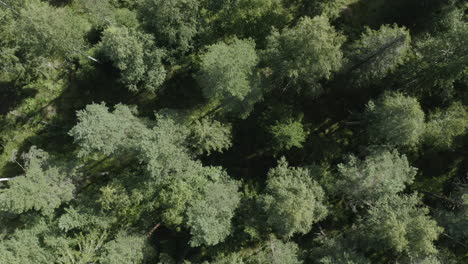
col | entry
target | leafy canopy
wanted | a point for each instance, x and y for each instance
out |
(293, 201)
(401, 225)
(210, 135)
(381, 173)
(134, 54)
(43, 187)
(303, 55)
(377, 53)
(227, 71)
(174, 22)
(395, 119)
(288, 134)
(103, 132)
(444, 126)
(43, 30)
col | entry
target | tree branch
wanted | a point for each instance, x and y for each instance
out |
(153, 230)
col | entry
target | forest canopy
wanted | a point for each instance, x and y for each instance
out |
(234, 132)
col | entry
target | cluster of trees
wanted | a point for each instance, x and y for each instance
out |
(237, 131)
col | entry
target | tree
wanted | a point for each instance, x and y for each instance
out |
(210, 135)
(377, 53)
(395, 119)
(210, 217)
(329, 8)
(400, 224)
(125, 249)
(288, 134)
(444, 127)
(249, 18)
(202, 199)
(381, 173)
(276, 251)
(440, 62)
(42, 30)
(227, 72)
(293, 201)
(305, 54)
(174, 22)
(163, 149)
(25, 246)
(335, 248)
(99, 131)
(134, 54)
(43, 187)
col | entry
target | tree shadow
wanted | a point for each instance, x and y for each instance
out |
(11, 96)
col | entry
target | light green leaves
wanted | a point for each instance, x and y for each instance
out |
(305, 54)
(380, 174)
(444, 126)
(134, 54)
(125, 249)
(174, 22)
(276, 251)
(43, 30)
(401, 225)
(292, 200)
(288, 134)
(209, 135)
(377, 53)
(210, 217)
(227, 70)
(395, 119)
(103, 132)
(43, 187)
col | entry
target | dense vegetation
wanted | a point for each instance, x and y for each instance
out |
(235, 131)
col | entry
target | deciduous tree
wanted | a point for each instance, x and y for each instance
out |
(301, 56)
(135, 55)
(395, 119)
(381, 173)
(293, 201)
(227, 73)
(377, 53)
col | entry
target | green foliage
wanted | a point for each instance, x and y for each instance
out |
(277, 251)
(100, 131)
(382, 173)
(293, 201)
(201, 198)
(377, 53)
(210, 135)
(244, 76)
(227, 72)
(43, 187)
(336, 250)
(395, 119)
(329, 8)
(303, 55)
(24, 247)
(400, 224)
(163, 150)
(210, 217)
(125, 249)
(43, 30)
(251, 18)
(440, 62)
(174, 22)
(134, 54)
(444, 127)
(288, 134)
